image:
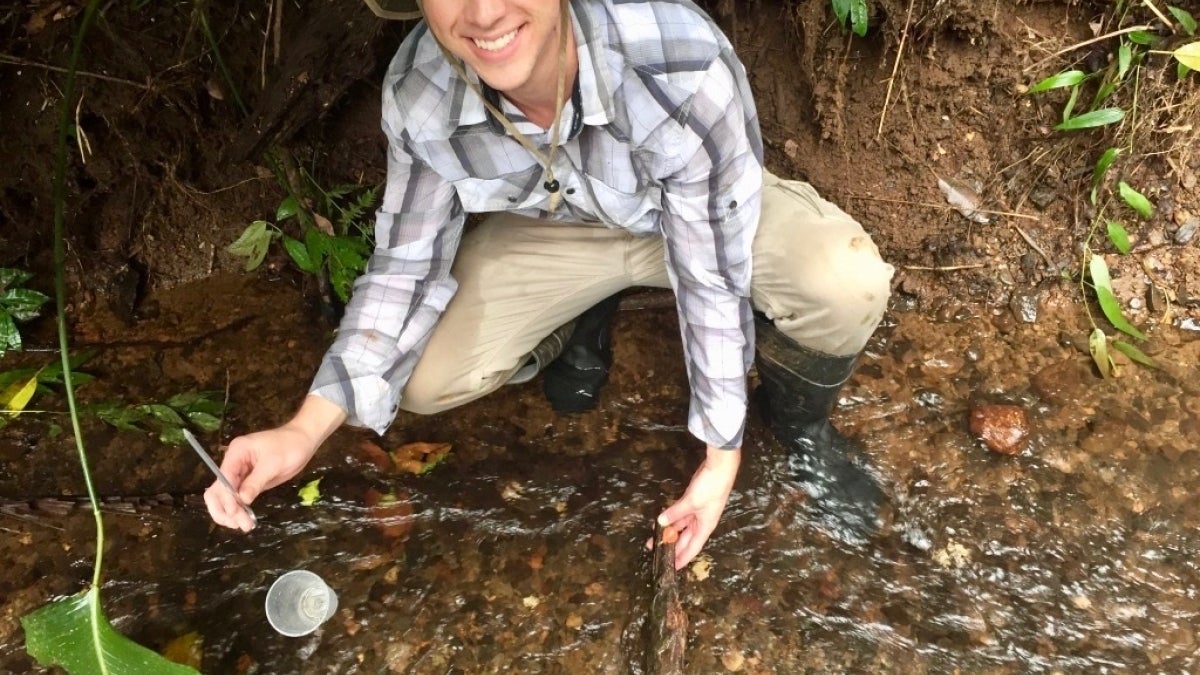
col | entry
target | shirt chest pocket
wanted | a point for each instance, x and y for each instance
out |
(634, 211)
(509, 192)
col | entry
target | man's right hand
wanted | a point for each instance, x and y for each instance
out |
(261, 460)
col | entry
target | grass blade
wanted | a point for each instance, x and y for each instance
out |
(1090, 120)
(1098, 346)
(1102, 165)
(1108, 302)
(1067, 78)
(1134, 353)
(1185, 19)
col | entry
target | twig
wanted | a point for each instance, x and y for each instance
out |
(262, 62)
(1159, 14)
(946, 268)
(278, 31)
(15, 61)
(895, 67)
(945, 207)
(668, 621)
(1085, 43)
(1029, 240)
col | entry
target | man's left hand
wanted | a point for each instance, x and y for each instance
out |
(697, 512)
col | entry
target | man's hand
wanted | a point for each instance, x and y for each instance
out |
(696, 514)
(261, 460)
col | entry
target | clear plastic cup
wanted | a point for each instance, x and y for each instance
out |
(298, 602)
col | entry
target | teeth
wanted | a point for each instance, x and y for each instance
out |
(497, 44)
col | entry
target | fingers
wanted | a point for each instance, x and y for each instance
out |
(224, 509)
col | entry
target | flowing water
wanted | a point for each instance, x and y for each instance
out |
(523, 550)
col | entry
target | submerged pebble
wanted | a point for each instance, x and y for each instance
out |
(1002, 428)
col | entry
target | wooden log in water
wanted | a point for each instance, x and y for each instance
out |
(668, 621)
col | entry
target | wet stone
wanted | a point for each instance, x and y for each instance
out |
(1024, 306)
(1187, 231)
(1002, 428)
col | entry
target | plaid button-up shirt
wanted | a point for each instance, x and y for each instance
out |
(669, 145)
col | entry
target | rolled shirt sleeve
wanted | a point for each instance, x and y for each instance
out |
(711, 207)
(407, 284)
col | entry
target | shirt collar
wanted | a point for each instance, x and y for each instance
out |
(595, 80)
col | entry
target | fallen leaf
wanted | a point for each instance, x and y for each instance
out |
(574, 621)
(371, 453)
(392, 514)
(531, 601)
(419, 458)
(310, 493)
(701, 568)
(733, 661)
(186, 650)
(962, 197)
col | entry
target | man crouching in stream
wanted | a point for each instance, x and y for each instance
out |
(616, 144)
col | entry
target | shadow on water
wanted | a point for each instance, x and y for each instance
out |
(523, 551)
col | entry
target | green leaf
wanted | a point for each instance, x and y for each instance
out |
(1069, 108)
(172, 436)
(1185, 19)
(205, 421)
(310, 493)
(1108, 302)
(1095, 118)
(841, 9)
(1067, 78)
(317, 243)
(10, 337)
(1134, 353)
(1136, 200)
(119, 416)
(18, 395)
(1102, 166)
(23, 303)
(1104, 92)
(164, 414)
(299, 254)
(73, 633)
(1181, 71)
(859, 20)
(10, 277)
(1098, 346)
(1142, 37)
(1124, 59)
(287, 208)
(253, 243)
(1189, 55)
(1118, 236)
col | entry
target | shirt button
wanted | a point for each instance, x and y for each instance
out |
(570, 191)
(733, 204)
(512, 200)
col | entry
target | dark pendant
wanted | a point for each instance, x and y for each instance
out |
(551, 185)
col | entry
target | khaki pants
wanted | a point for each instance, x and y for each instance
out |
(816, 273)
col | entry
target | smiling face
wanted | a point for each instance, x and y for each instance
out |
(512, 44)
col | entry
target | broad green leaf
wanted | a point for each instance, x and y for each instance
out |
(23, 303)
(1067, 78)
(1185, 19)
(1189, 55)
(253, 244)
(317, 243)
(18, 395)
(73, 633)
(1095, 118)
(1098, 346)
(299, 254)
(205, 421)
(164, 414)
(1108, 302)
(1181, 71)
(858, 17)
(121, 417)
(172, 436)
(1142, 37)
(10, 277)
(287, 208)
(310, 493)
(1102, 166)
(1136, 200)
(1104, 92)
(841, 9)
(1134, 353)
(10, 337)
(1118, 236)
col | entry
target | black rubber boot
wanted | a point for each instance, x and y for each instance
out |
(573, 381)
(799, 388)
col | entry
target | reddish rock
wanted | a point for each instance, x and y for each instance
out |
(1002, 428)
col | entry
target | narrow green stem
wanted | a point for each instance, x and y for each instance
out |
(60, 298)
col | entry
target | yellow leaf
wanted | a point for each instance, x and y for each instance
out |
(17, 396)
(1189, 55)
(310, 493)
(186, 650)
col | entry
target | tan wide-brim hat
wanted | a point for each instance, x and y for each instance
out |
(395, 9)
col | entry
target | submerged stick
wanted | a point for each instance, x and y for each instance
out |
(668, 622)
